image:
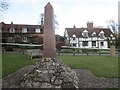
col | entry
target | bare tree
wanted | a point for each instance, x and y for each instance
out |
(41, 21)
(112, 24)
(3, 7)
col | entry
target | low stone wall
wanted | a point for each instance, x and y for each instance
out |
(50, 73)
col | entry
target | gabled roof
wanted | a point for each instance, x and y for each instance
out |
(78, 31)
(19, 26)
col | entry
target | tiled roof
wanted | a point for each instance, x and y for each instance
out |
(78, 31)
(18, 27)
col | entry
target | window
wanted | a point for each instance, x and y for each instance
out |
(10, 39)
(101, 35)
(85, 43)
(93, 43)
(24, 39)
(111, 35)
(74, 38)
(37, 30)
(74, 45)
(24, 30)
(101, 43)
(94, 34)
(85, 34)
(12, 30)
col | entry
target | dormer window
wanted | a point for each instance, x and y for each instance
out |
(74, 37)
(37, 30)
(12, 30)
(101, 35)
(24, 30)
(94, 34)
(85, 34)
(111, 35)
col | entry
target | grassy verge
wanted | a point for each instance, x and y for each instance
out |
(102, 66)
(14, 62)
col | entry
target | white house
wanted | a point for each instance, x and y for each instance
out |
(89, 37)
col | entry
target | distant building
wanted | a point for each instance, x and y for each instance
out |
(23, 32)
(89, 37)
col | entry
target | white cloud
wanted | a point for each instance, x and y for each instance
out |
(23, 14)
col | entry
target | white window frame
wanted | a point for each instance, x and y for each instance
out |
(102, 36)
(12, 30)
(94, 34)
(85, 34)
(24, 39)
(37, 30)
(74, 37)
(111, 35)
(24, 30)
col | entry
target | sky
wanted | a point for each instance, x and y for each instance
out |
(68, 12)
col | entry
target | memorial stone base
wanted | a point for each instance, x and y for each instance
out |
(50, 73)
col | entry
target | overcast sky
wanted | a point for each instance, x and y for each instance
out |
(68, 12)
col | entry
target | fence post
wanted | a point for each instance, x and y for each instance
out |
(74, 52)
(99, 52)
(87, 53)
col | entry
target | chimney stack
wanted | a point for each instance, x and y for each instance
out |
(11, 22)
(89, 25)
(74, 26)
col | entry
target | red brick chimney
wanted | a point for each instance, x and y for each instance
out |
(89, 25)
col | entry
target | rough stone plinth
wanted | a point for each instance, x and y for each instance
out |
(50, 73)
(49, 46)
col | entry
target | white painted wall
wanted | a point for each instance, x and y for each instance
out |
(80, 41)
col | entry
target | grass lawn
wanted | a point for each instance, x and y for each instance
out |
(102, 66)
(14, 62)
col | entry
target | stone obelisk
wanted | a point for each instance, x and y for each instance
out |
(49, 45)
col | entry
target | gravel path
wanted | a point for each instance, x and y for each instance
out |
(13, 79)
(86, 79)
